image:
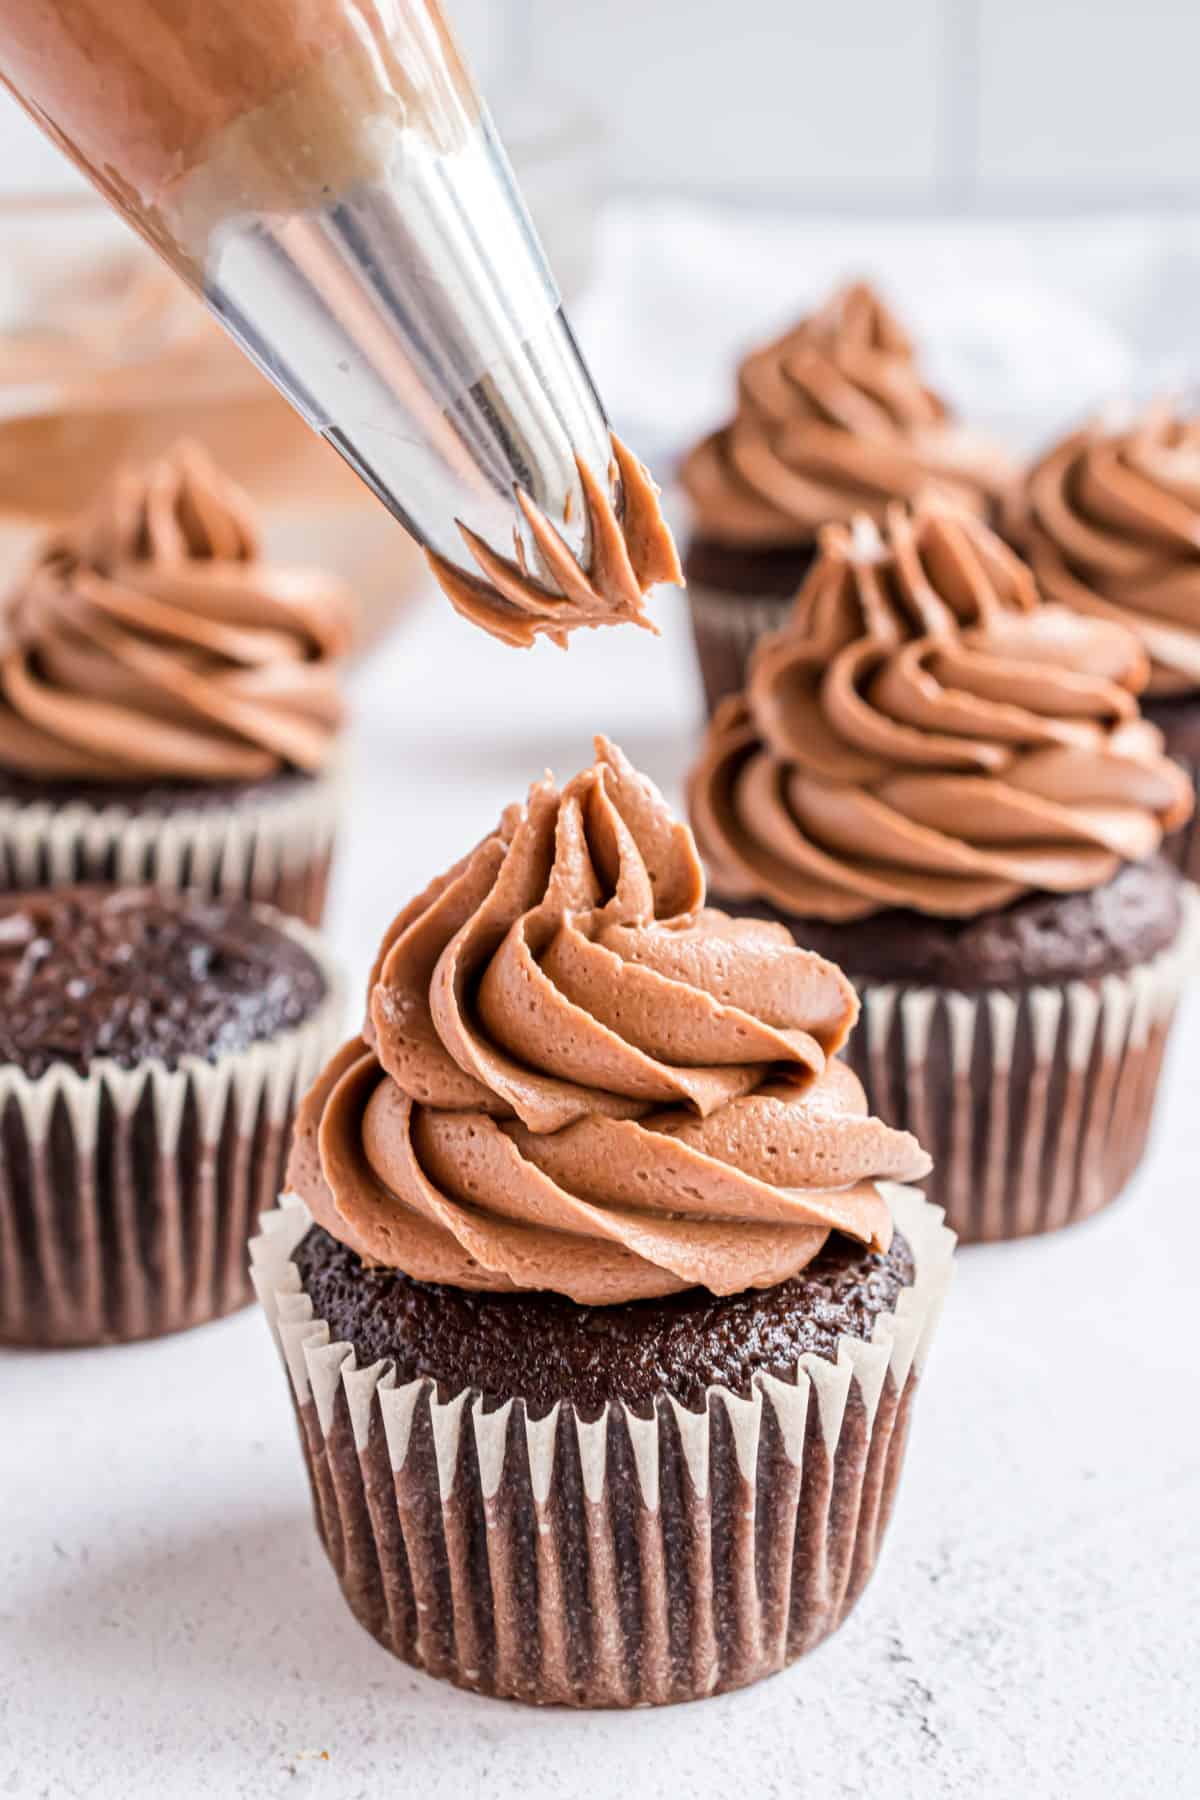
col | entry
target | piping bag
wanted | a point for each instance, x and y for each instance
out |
(326, 177)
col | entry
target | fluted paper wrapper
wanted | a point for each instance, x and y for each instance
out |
(1035, 1106)
(127, 1196)
(274, 850)
(726, 628)
(619, 1561)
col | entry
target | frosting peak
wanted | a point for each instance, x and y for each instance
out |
(833, 420)
(632, 550)
(925, 733)
(150, 641)
(575, 1077)
(1110, 520)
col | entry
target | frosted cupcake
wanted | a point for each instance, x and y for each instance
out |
(169, 702)
(832, 420)
(947, 786)
(1110, 521)
(602, 1331)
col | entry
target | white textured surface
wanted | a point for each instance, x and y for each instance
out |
(169, 1627)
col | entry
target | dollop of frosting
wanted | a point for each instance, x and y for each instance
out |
(832, 420)
(631, 551)
(151, 641)
(925, 733)
(574, 1077)
(1110, 521)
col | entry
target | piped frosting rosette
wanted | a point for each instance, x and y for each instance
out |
(833, 419)
(153, 642)
(574, 1077)
(925, 734)
(1110, 521)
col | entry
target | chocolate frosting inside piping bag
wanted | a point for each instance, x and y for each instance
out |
(573, 1076)
(924, 733)
(833, 420)
(1110, 521)
(150, 641)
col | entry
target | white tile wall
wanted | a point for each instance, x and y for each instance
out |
(912, 104)
(1094, 96)
(783, 97)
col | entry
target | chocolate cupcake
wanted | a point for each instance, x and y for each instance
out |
(169, 707)
(602, 1335)
(1110, 521)
(948, 787)
(833, 420)
(153, 1047)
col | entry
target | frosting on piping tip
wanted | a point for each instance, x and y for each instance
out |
(573, 1076)
(832, 420)
(925, 733)
(1110, 521)
(631, 551)
(150, 641)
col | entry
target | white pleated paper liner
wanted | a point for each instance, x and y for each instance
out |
(274, 849)
(726, 628)
(127, 1196)
(616, 1562)
(1035, 1106)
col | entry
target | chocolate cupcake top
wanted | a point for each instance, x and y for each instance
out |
(924, 733)
(631, 550)
(832, 420)
(1110, 521)
(134, 975)
(575, 1078)
(152, 642)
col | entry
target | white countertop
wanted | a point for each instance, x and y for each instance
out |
(169, 1627)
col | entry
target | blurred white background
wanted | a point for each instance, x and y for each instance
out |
(1004, 105)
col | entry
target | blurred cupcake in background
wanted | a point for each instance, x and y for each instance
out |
(169, 701)
(832, 420)
(946, 786)
(1110, 521)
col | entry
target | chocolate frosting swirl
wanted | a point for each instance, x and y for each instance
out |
(924, 733)
(833, 420)
(1110, 520)
(150, 641)
(631, 551)
(574, 1077)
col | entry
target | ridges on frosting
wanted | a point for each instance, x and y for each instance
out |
(631, 551)
(925, 733)
(1110, 521)
(833, 419)
(151, 641)
(574, 1077)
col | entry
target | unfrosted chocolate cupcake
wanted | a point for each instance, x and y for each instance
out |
(603, 1335)
(153, 1047)
(169, 705)
(1110, 521)
(833, 420)
(947, 786)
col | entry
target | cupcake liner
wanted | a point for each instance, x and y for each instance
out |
(615, 1561)
(127, 1196)
(1034, 1106)
(726, 628)
(275, 851)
